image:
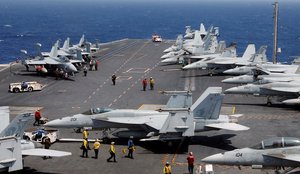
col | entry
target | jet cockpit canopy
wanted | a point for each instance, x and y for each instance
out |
(277, 142)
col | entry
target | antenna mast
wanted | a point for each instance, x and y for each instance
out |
(275, 31)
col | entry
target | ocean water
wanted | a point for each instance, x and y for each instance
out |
(24, 23)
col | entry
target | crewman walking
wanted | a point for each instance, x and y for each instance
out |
(37, 116)
(130, 147)
(47, 144)
(144, 82)
(191, 160)
(167, 168)
(151, 82)
(112, 152)
(113, 79)
(96, 147)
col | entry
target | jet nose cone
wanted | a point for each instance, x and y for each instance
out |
(53, 123)
(232, 90)
(168, 50)
(168, 60)
(72, 68)
(229, 71)
(228, 80)
(214, 159)
(190, 66)
(164, 56)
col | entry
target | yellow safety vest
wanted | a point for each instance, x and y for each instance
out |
(112, 149)
(85, 144)
(85, 134)
(96, 145)
(167, 169)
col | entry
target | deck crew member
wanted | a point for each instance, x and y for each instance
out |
(191, 160)
(113, 79)
(144, 82)
(167, 168)
(85, 148)
(37, 116)
(151, 82)
(130, 147)
(96, 147)
(112, 152)
(85, 134)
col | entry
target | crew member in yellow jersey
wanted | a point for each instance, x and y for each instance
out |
(167, 168)
(96, 147)
(85, 134)
(112, 152)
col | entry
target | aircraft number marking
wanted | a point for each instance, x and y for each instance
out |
(73, 119)
(238, 154)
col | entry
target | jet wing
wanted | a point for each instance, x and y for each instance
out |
(228, 126)
(75, 61)
(35, 62)
(289, 157)
(285, 89)
(155, 122)
(45, 152)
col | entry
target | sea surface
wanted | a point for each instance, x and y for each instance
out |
(26, 22)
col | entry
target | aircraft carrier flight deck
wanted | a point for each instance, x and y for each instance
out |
(132, 60)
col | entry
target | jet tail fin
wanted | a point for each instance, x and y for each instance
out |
(249, 52)
(66, 44)
(261, 56)
(53, 52)
(81, 41)
(208, 105)
(17, 126)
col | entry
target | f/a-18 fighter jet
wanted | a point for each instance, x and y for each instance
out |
(179, 119)
(274, 153)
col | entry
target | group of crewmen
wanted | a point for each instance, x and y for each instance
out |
(112, 150)
(145, 83)
(190, 160)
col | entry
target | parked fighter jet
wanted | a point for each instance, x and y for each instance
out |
(281, 90)
(177, 46)
(13, 148)
(196, 47)
(273, 68)
(274, 153)
(179, 119)
(189, 33)
(53, 60)
(261, 76)
(222, 62)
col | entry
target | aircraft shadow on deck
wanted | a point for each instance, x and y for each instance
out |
(160, 147)
(217, 141)
(35, 74)
(277, 105)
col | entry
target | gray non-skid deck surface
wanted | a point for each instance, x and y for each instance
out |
(131, 61)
